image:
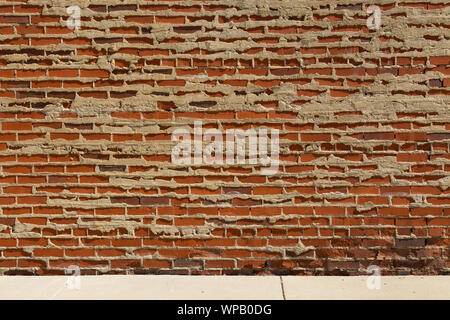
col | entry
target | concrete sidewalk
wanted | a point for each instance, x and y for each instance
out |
(144, 287)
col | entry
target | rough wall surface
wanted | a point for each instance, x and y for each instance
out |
(87, 115)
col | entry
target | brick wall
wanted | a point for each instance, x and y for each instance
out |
(87, 114)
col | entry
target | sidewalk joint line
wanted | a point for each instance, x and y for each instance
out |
(282, 288)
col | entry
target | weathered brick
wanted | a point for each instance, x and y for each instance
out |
(86, 124)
